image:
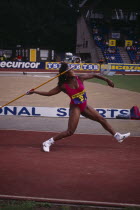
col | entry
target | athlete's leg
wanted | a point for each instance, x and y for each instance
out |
(92, 114)
(72, 123)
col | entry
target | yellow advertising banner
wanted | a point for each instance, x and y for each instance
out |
(32, 55)
(112, 42)
(128, 43)
(122, 67)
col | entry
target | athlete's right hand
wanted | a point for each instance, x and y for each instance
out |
(110, 83)
(30, 92)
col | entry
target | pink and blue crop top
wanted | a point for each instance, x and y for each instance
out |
(78, 95)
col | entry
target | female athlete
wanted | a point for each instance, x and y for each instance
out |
(73, 86)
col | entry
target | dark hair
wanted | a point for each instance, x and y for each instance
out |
(62, 78)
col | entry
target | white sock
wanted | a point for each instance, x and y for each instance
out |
(51, 140)
(117, 135)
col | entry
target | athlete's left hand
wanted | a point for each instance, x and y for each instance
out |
(110, 83)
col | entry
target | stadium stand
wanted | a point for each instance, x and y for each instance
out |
(106, 24)
(111, 54)
(134, 53)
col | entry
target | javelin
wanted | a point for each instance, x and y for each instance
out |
(36, 87)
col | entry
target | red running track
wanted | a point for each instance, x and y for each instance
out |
(90, 169)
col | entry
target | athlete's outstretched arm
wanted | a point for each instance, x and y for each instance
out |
(52, 92)
(92, 75)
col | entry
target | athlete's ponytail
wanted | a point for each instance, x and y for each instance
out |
(62, 78)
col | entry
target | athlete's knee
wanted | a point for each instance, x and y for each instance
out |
(101, 119)
(70, 132)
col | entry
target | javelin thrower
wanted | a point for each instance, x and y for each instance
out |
(73, 86)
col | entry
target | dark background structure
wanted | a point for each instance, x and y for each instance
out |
(48, 23)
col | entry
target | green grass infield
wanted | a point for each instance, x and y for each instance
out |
(127, 82)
